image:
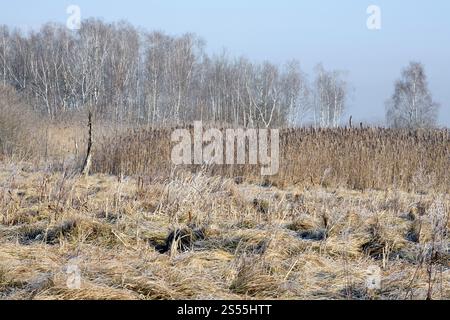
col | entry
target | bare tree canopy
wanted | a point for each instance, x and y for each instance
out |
(330, 96)
(124, 74)
(411, 105)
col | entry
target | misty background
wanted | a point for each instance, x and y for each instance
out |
(331, 32)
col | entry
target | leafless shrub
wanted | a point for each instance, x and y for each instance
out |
(20, 133)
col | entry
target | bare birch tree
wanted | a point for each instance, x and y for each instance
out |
(125, 75)
(411, 105)
(330, 95)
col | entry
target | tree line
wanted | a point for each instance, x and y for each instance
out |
(125, 74)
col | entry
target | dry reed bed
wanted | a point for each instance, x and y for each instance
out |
(240, 241)
(368, 158)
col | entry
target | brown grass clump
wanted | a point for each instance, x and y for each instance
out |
(254, 279)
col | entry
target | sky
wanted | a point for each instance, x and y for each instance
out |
(332, 32)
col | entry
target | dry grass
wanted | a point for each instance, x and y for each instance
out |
(345, 201)
(356, 159)
(285, 242)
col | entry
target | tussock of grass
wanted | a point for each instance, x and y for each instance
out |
(253, 278)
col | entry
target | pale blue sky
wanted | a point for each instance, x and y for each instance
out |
(329, 31)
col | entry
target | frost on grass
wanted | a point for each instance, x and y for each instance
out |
(195, 236)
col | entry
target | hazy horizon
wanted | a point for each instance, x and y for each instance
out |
(332, 33)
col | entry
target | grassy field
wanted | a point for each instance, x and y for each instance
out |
(141, 164)
(202, 236)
